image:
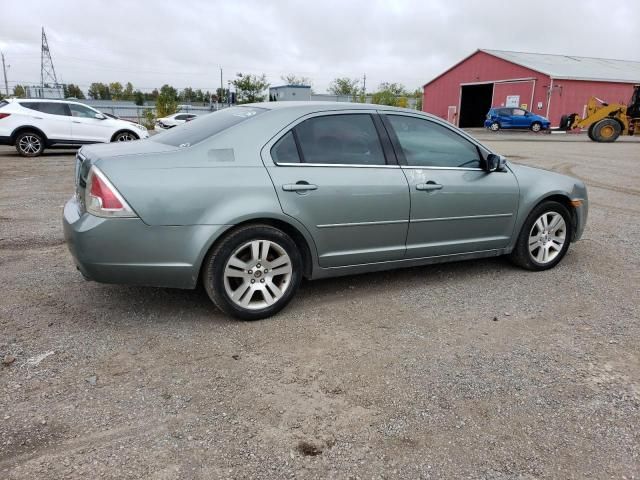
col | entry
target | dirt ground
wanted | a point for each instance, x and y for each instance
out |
(465, 370)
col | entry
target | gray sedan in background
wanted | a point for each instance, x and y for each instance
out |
(251, 199)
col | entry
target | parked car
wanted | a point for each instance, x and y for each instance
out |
(498, 118)
(35, 124)
(171, 121)
(251, 199)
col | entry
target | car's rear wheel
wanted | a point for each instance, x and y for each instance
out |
(494, 127)
(253, 273)
(536, 126)
(125, 136)
(29, 144)
(544, 238)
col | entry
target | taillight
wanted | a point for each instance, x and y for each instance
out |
(4, 115)
(102, 199)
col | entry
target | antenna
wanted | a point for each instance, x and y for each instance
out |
(47, 72)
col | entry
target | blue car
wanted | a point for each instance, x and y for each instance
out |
(498, 118)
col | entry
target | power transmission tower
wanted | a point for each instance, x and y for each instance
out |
(47, 72)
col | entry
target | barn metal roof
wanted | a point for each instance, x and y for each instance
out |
(574, 68)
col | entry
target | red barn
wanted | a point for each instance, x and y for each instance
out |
(548, 85)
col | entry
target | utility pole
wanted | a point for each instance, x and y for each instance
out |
(364, 87)
(4, 70)
(221, 88)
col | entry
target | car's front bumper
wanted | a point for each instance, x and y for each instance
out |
(128, 251)
(5, 140)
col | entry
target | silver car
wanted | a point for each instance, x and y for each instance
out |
(251, 199)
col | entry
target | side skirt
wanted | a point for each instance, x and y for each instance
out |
(319, 272)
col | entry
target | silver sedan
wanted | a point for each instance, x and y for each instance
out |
(251, 199)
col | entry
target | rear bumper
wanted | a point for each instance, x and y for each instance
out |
(128, 251)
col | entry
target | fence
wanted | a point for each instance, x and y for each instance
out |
(136, 113)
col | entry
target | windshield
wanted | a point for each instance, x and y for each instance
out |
(203, 127)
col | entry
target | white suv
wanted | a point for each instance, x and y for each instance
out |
(31, 125)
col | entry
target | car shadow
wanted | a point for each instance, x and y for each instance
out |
(175, 305)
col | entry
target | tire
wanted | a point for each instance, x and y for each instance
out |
(494, 127)
(606, 130)
(536, 127)
(124, 136)
(29, 144)
(564, 122)
(590, 132)
(259, 294)
(551, 246)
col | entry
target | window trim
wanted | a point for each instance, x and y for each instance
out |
(390, 162)
(402, 161)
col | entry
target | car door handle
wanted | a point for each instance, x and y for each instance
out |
(428, 186)
(76, 121)
(299, 187)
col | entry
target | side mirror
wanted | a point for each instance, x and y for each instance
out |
(100, 116)
(495, 163)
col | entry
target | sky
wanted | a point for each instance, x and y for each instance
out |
(185, 43)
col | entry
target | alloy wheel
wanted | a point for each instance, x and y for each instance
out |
(495, 126)
(30, 144)
(535, 127)
(125, 137)
(547, 237)
(257, 274)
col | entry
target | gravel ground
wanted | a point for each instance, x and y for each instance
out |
(465, 370)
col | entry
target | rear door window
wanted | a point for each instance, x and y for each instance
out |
(285, 150)
(54, 108)
(345, 139)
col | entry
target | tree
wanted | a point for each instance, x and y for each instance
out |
(393, 94)
(167, 101)
(128, 93)
(99, 91)
(418, 94)
(250, 88)
(74, 91)
(116, 90)
(198, 96)
(344, 86)
(395, 88)
(292, 79)
(19, 91)
(187, 95)
(138, 97)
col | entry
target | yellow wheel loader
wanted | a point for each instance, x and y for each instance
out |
(606, 122)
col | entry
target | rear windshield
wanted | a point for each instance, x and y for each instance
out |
(205, 126)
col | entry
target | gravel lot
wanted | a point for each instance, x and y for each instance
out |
(464, 370)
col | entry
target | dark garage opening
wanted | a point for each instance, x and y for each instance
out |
(475, 103)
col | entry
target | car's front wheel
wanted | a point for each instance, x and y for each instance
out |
(536, 126)
(125, 137)
(253, 273)
(544, 238)
(494, 127)
(29, 144)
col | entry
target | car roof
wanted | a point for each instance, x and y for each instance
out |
(304, 107)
